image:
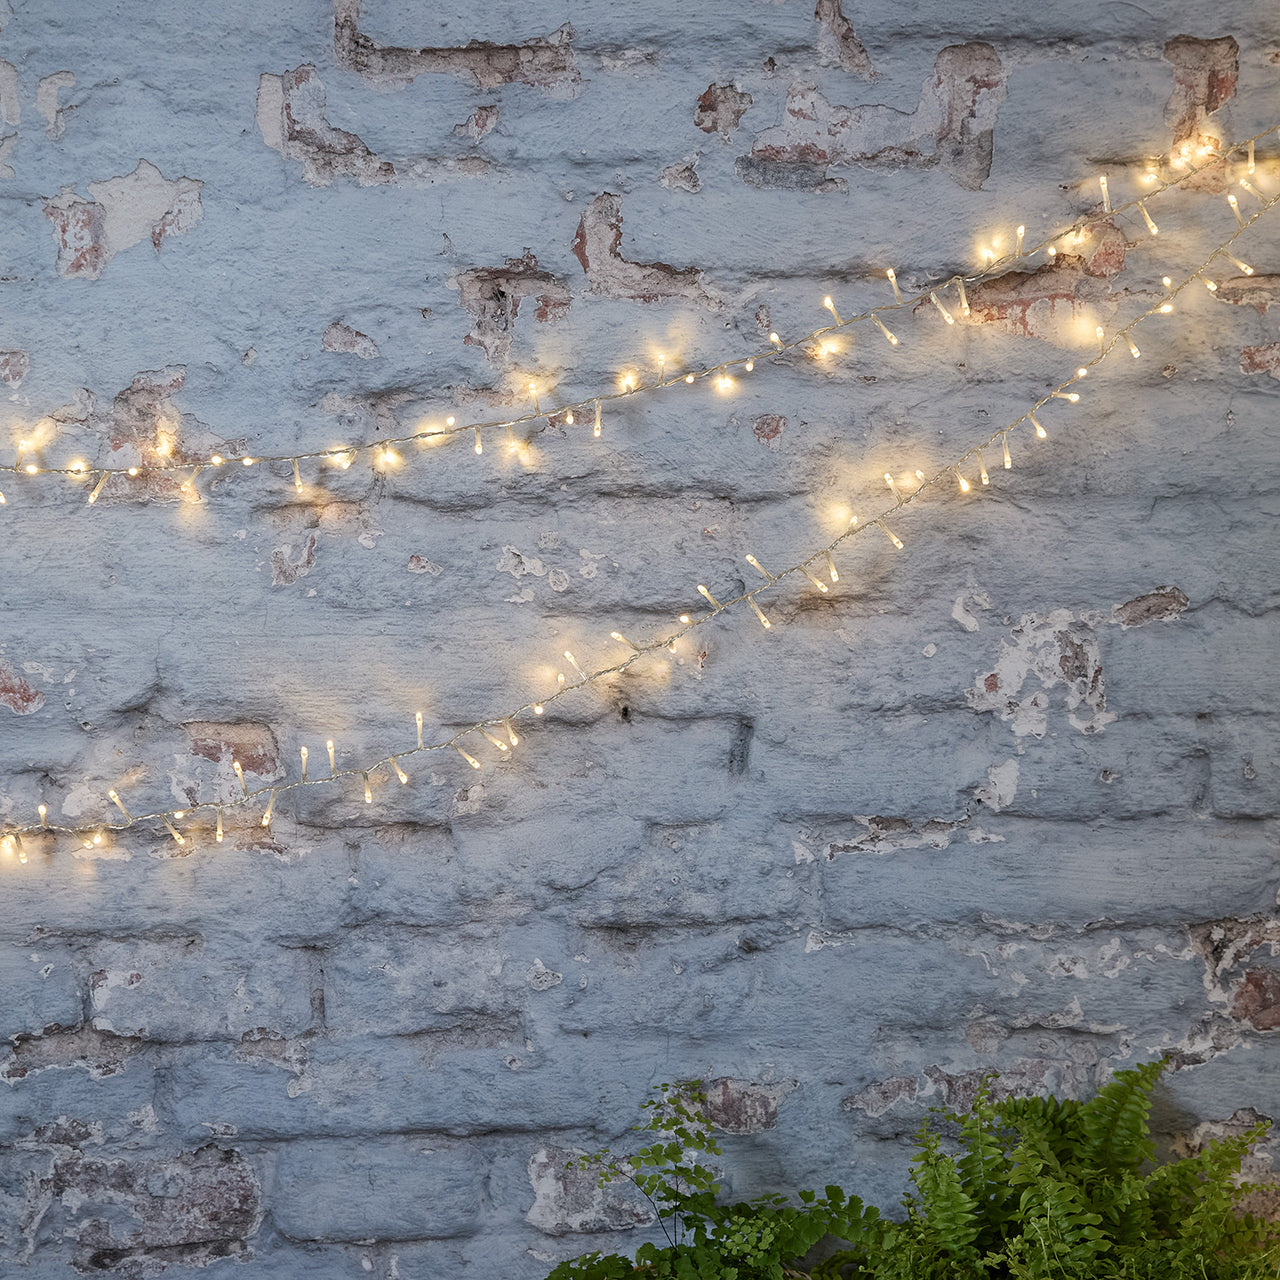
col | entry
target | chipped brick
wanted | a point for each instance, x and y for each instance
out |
(837, 42)
(479, 124)
(492, 295)
(1261, 292)
(952, 128)
(768, 427)
(720, 109)
(1256, 999)
(881, 1096)
(47, 101)
(682, 176)
(546, 62)
(81, 1048)
(342, 337)
(1043, 303)
(121, 212)
(744, 1106)
(253, 745)
(596, 247)
(288, 564)
(1156, 606)
(20, 697)
(14, 366)
(1261, 359)
(290, 114)
(1205, 73)
(571, 1199)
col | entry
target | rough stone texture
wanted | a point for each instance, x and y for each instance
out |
(1004, 800)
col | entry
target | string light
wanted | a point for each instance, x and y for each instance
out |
(1244, 266)
(304, 764)
(573, 662)
(964, 484)
(400, 773)
(1252, 190)
(538, 708)
(1072, 396)
(831, 306)
(1004, 445)
(217, 835)
(1017, 249)
(1035, 422)
(368, 790)
(417, 716)
(618, 636)
(893, 280)
(333, 764)
(764, 622)
(173, 831)
(755, 564)
(512, 736)
(831, 565)
(497, 742)
(1249, 161)
(596, 430)
(893, 341)
(822, 586)
(946, 315)
(1235, 208)
(271, 804)
(1106, 194)
(1146, 217)
(1133, 346)
(982, 468)
(964, 297)
(239, 772)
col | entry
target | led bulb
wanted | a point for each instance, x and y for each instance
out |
(368, 790)
(1244, 266)
(304, 764)
(573, 662)
(822, 586)
(1072, 396)
(172, 830)
(1106, 194)
(400, 773)
(568, 417)
(964, 484)
(1017, 248)
(964, 297)
(982, 469)
(831, 566)
(1210, 285)
(1035, 422)
(751, 364)
(764, 622)
(538, 708)
(946, 315)
(1235, 208)
(511, 733)
(417, 716)
(888, 479)
(888, 533)
(1146, 217)
(706, 595)
(621, 639)
(777, 341)
(297, 477)
(247, 462)
(239, 772)
(497, 742)
(43, 811)
(688, 377)
(1133, 347)
(1249, 161)
(893, 341)
(755, 564)
(470, 759)
(893, 280)
(450, 420)
(333, 764)
(217, 835)
(1082, 371)
(1253, 191)
(831, 306)
(479, 442)
(596, 429)
(1004, 445)
(271, 804)
(216, 460)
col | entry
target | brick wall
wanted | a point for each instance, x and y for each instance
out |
(1005, 799)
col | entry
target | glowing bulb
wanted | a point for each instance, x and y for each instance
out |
(388, 457)
(304, 764)
(755, 564)
(568, 417)
(417, 716)
(43, 811)
(1210, 285)
(119, 804)
(368, 790)
(888, 533)
(1133, 347)
(271, 804)
(239, 772)
(1004, 445)
(621, 639)
(946, 315)
(78, 467)
(685, 620)
(893, 280)
(164, 446)
(470, 759)
(706, 595)
(1017, 248)
(297, 476)
(822, 586)
(751, 364)
(179, 813)
(217, 835)
(400, 773)
(1050, 252)
(764, 622)
(172, 830)
(964, 484)
(497, 742)
(1035, 422)
(1249, 162)
(777, 341)
(688, 377)
(1106, 194)
(893, 488)
(22, 853)
(1253, 191)
(479, 442)
(595, 431)
(831, 566)
(1235, 208)
(893, 341)
(133, 471)
(1244, 266)
(1072, 396)
(1146, 217)
(248, 462)
(511, 733)
(216, 460)
(1165, 308)
(964, 297)
(32, 469)
(724, 383)
(982, 469)
(333, 765)
(573, 662)
(1082, 371)
(538, 708)
(831, 306)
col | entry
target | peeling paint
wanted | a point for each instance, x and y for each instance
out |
(492, 296)
(720, 110)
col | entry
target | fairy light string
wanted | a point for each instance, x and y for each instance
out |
(632, 385)
(93, 834)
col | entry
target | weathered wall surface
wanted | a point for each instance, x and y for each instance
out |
(1004, 799)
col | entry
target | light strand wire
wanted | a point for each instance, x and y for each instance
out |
(269, 794)
(631, 386)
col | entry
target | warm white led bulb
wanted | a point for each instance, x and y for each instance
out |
(893, 280)
(1146, 217)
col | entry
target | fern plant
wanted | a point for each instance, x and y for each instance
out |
(1039, 1189)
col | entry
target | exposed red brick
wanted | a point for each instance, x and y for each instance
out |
(720, 109)
(547, 62)
(1259, 292)
(253, 745)
(14, 366)
(285, 570)
(493, 296)
(1205, 74)
(611, 275)
(79, 225)
(1156, 606)
(16, 694)
(768, 427)
(1261, 359)
(742, 1106)
(1256, 999)
(837, 42)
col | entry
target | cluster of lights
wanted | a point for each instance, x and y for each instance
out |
(499, 731)
(818, 343)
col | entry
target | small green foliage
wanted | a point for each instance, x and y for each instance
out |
(1041, 1189)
